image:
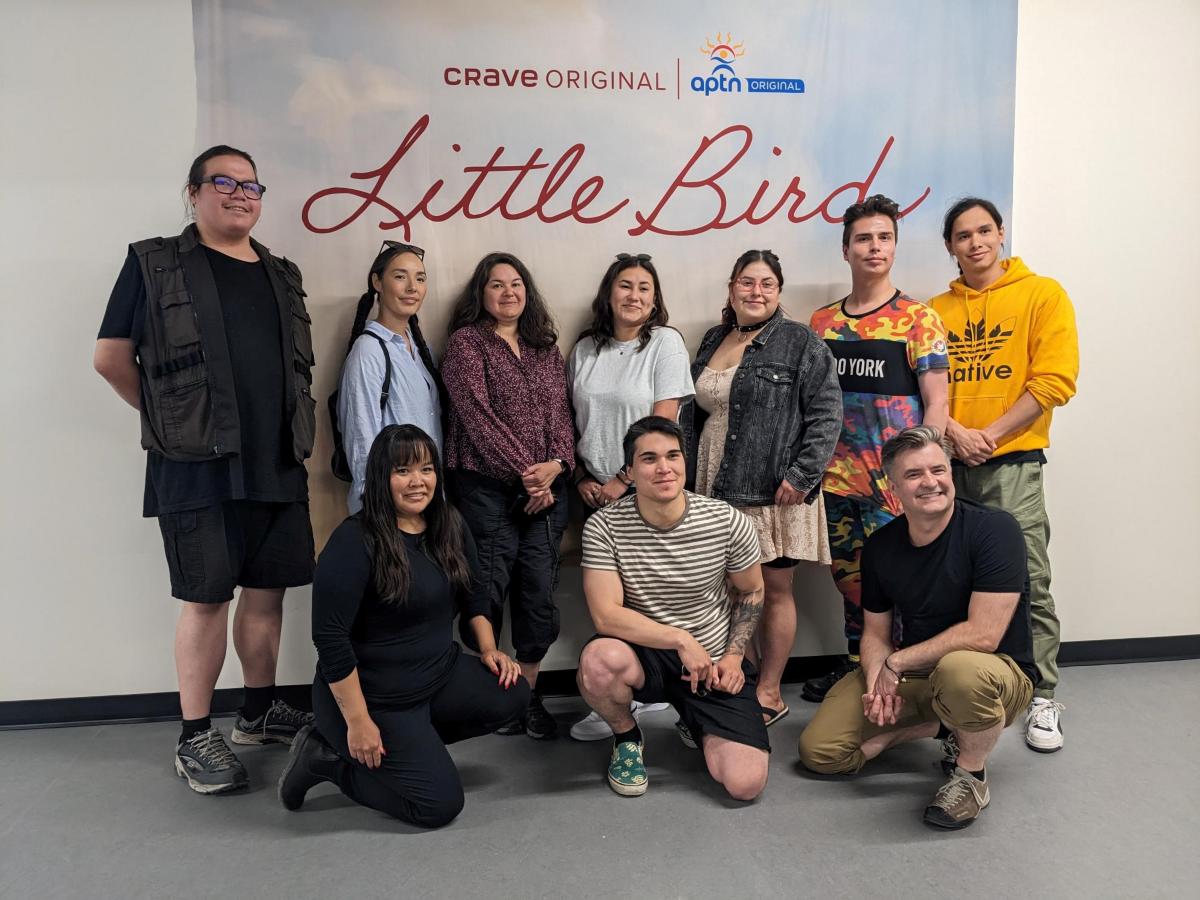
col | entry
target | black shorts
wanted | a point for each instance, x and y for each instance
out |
(735, 717)
(211, 551)
(781, 562)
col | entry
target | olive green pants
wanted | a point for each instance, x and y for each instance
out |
(1017, 489)
(967, 691)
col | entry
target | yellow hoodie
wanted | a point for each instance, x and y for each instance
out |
(1016, 335)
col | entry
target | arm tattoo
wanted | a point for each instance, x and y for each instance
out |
(747, 607)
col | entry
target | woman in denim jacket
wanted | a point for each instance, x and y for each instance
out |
(761, 430)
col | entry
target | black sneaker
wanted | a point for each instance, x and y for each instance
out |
(815, 689)
(516, 726)
(208, 764)
(310, 762)
(278, 725)
(949, 754)
(539, 724)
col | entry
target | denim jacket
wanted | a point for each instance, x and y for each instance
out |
(785, 414)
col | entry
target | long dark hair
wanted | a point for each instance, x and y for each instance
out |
(442, 542)
(536, 327)
(728, 316)
(601, 329)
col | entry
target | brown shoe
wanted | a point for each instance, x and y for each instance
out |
(959, 801)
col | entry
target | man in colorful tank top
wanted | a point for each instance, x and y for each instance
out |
(891, 358)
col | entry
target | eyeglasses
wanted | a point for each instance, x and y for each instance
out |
(767, 285)
(636, 257)
(403, 248)
(223, 184)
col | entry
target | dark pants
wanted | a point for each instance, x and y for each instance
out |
(518, 558)
(417, 780)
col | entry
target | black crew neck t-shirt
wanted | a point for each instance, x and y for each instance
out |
(981, 549)
(265, 469)
(404, 652)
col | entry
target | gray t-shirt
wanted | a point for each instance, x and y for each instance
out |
(614, 387)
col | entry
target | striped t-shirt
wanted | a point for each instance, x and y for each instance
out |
(675, 576)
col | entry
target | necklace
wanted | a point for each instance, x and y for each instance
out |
(744, 331)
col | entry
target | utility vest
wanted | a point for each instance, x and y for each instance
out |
(189, 399)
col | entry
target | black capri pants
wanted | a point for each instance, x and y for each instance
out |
(518, 557)
(417, 780)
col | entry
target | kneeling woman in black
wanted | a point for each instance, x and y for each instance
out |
(392, 687)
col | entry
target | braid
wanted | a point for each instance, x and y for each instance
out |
(365, 302)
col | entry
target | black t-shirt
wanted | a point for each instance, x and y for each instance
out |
(982, 549)
(265, 470)
(403, 651)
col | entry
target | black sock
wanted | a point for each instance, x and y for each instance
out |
(852, 649)
(257, 701)
(978, 774)
(192, 727)
(943, 731)
(634, 734)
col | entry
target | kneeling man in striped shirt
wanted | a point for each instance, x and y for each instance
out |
(674, 588)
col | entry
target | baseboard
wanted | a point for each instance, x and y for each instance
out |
(165, 706)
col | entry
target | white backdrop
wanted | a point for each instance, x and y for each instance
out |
(99, 112)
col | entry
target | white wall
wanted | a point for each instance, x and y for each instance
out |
(1106, 186)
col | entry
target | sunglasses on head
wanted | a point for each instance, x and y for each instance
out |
(403, 248)
(636, 257)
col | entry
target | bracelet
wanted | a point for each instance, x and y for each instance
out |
(889, 668)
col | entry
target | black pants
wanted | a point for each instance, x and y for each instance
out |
(417, 781)
(518, 557)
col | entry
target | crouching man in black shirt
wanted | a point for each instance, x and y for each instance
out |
(955, 573)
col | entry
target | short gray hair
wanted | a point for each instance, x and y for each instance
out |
(914, 438)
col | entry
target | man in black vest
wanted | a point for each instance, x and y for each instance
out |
(207, 336)
(955, 574)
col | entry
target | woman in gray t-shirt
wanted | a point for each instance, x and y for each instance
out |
(627, 364)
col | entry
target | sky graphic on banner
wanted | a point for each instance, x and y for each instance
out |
(569, 132)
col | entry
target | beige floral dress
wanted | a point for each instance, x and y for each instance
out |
(798, 532)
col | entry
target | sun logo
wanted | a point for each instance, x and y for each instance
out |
(723, 52)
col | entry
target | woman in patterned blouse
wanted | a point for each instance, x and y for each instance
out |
(510, 451)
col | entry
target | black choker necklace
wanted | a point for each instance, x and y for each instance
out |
(746, 329)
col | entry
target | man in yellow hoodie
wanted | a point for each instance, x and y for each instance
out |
(1014, 356)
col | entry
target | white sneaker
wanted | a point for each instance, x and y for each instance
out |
(594, 728)
(1043, 725)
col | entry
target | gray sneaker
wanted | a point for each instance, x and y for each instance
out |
(208, 764)
(959, 801)
(278, 725)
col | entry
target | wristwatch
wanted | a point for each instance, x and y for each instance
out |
(561, 463)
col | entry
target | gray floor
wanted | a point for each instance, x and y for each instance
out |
(98, 812)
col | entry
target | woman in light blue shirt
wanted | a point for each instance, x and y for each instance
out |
(397, 282)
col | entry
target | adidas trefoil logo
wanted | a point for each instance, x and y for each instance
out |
(972, 350)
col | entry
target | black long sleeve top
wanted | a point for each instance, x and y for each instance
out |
(403, 651)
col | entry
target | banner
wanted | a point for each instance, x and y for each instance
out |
(566, 132)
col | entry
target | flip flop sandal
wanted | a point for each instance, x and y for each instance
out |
(775, 714)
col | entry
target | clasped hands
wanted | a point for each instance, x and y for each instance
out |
(537, 480)
(882, 701)
(699, 669)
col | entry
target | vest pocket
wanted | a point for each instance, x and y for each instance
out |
(179, 319)
(186, 410)
(304, 424)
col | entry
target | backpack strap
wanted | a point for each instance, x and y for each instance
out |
(386, 391)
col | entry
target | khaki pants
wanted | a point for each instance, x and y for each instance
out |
(1016, 488)
(967, 691)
